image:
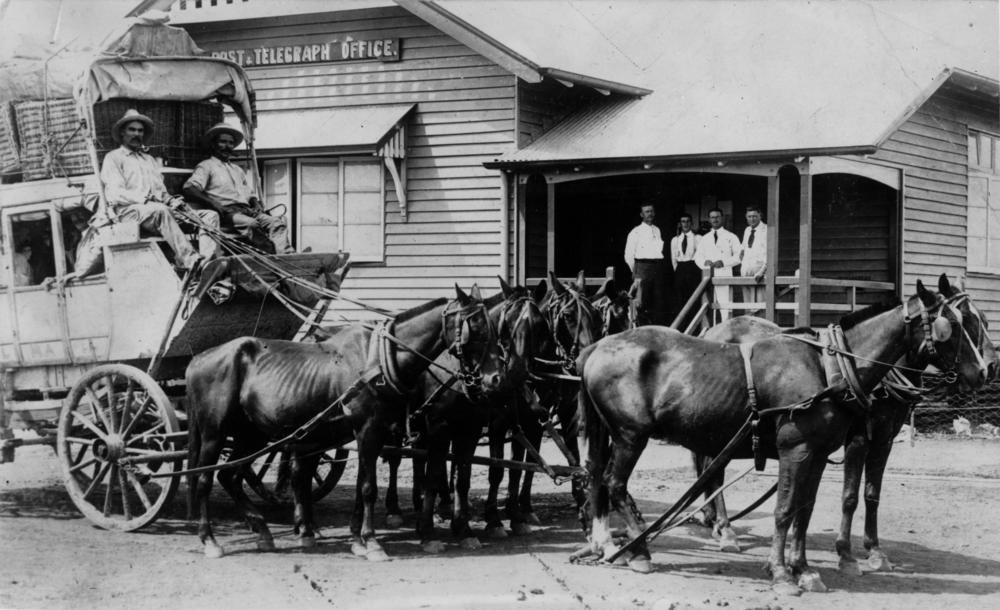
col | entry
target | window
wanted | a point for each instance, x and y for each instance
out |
(33, 255)
(984, 203)
(341, 207)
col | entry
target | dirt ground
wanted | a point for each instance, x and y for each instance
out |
(936, 523)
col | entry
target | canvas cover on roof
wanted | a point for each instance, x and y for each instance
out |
(157, 61)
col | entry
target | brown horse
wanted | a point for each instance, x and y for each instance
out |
(655, 382)
(575, 323)
(351, 385)
(451, 418)
(869, 440)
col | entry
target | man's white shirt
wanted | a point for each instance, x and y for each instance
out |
(643, 241)
(754, 257)
(726, 248)
(677, 255)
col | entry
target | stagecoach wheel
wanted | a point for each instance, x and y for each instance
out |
(115, 442)
(271, 476)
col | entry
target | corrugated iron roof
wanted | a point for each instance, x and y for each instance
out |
(748, 77)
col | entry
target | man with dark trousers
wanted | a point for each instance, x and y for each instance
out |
(687, 274)
(644, 256)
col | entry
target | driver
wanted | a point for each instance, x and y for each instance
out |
(221, 185)
(134, 189)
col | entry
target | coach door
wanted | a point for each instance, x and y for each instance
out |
(34, 331)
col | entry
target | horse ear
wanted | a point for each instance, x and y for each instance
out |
(557, 286)
(505, 288)
(475, 294)
(944, 287)
(540, 289)
(924, 294)
(581, 282)
(460, 294)
(941, 329)
(602, 291)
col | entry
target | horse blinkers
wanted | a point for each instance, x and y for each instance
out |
(940, 329)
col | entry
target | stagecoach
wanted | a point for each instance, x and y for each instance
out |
(95, 366)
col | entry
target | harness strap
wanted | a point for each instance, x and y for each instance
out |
(848, 369)
(759, 459)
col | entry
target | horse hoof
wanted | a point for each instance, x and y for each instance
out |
(265, 546)
(433, 547)
(471, 543)
(642, 565)
(610, 551)
(728, 543)
(810, 581)
(359, 549)
(377, 555)
(307, 542)
(879, 562)
(394, 521)
(786, 588)
(532, 518)
(521, 529)
(213, 551)
(849, 567)
(496, 532)
(582, 553)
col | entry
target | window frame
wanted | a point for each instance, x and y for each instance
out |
(341, 162)
(990, 172)
(8, 243)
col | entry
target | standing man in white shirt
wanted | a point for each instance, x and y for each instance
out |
(753, 258)
(719, 250)
(687, 275)
(644, 256)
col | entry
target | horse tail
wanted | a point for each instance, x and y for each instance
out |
(590, 422)
(194, 449)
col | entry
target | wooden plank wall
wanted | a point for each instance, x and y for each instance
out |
(464, 116)
(932, 148)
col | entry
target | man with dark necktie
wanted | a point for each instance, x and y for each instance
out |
(644, 256)
(753, 258)
(687, 275)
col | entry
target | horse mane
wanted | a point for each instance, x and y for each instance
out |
(801, 330)
(856, 317)
(409, 314)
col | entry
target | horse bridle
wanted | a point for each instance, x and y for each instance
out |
(927, 349)
(558, 314)
(607, 314)
(508, 330)
(962, 298)
(470, 376)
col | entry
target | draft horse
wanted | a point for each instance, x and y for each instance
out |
(574, 323)
(869, 440)
(320, 395)
(447, 415)
(655, 382)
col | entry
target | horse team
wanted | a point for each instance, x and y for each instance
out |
(439, 374)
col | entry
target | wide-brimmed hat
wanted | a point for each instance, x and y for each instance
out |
(220, 128)
(131, 115)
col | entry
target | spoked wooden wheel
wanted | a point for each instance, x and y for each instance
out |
(271, 476)
(116, 437)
